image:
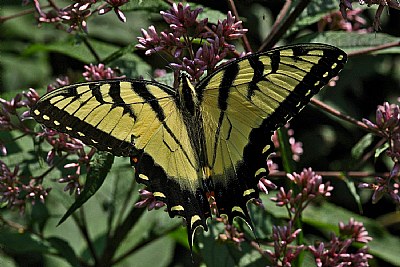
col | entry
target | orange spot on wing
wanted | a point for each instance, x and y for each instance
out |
(210, 194)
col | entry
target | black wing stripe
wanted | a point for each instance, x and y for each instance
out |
(119, 147)
(228, 78)
(117, 100)
(275, 61)
(258, 69)
(95, 88)
(140, 88)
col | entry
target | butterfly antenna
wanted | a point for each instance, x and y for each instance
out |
(167, 62)
(169, 67)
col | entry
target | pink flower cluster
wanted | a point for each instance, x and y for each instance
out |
(388, 126)
(338, 252)
(16, 190)
(183, 33)
(347, 4)
(309, 185)
(75, 15)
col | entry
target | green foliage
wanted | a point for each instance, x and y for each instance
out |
(351, 41)
(361, 146)
(64, 249)
(314, 11)
(23, 242)
(286, 152)
(71, 48)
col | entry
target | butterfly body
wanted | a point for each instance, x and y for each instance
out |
(209, 139)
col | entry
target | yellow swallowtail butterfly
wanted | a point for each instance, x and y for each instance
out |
(214, 137)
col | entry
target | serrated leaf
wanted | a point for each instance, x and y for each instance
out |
(99, 168)
(65, 250)
(358, 149)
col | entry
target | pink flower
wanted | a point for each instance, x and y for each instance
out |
(99, 72)
(148, 200)
(114, 5)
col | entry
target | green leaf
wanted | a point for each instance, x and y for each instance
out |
(77, 50)
(23, 27)
(20, 73)
(65, 250)
(22, 242)
(262, 220)
(7, 261)
(99, 168)
(327, 216)
(119, 53)
(316, 10)
(129, 63)
(353, 191)
(285, 149)
(353, 42)
(259, 21)
(358, 150)
(144, 5)
(381, 149)
(149, 227)
(159, 252)
(40, 215)
(212, 14)
(226, 254)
